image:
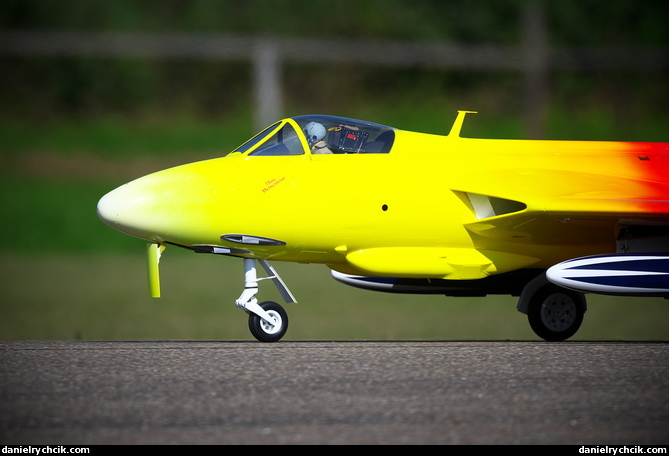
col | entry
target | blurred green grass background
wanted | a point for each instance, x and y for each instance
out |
(104, 296)
(73, 128)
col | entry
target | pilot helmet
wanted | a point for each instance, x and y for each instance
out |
(314, 132)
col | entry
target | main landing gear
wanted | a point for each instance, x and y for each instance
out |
(268, 321)
(554, 313)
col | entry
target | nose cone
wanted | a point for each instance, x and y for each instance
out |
(131, 208)
(171, 205)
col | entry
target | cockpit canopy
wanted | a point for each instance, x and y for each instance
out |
(337, 135)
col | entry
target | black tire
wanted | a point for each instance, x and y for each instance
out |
(265, 332)
(555, 313)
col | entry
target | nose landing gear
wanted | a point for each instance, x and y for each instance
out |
(268, 321)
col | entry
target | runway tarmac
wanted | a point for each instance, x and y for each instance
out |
(334, 392)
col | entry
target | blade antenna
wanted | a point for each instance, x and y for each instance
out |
(457, 125)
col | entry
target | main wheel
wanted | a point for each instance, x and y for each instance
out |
(272, 331)
(556, 313)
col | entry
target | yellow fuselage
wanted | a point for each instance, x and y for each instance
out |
(418, 211)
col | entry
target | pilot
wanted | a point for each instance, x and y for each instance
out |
(315, 133)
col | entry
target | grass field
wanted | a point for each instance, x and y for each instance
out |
(105, 297)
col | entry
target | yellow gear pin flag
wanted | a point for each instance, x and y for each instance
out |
(153, 259)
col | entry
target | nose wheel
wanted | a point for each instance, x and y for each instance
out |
(268, 321)
(269, 331)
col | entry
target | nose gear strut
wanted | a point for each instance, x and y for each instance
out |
(268, 321)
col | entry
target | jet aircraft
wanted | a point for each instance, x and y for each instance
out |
(405, 212)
